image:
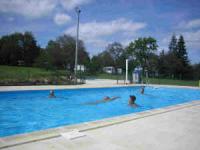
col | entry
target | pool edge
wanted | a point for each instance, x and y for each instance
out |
(65, 87)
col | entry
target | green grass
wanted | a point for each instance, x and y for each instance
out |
(173, 82)
(151, 80)
(12, 74)
(9, 75)
(109, 76)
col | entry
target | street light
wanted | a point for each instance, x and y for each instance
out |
(78, 11)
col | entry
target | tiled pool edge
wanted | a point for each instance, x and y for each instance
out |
(55, 132)
(83, 86)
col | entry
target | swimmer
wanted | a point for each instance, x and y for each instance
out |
(131, 101)
(109, 99)
(51, 94)
(104, 100)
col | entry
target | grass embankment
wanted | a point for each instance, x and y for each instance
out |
(11, 75)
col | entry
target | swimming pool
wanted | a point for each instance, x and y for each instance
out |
(26, 111)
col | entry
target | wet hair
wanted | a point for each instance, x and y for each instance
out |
(133, 98)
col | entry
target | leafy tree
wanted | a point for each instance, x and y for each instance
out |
(18, 47)
(106, 59)
(153, 64)
(30, 49)
(196, 71)
(62, 52)
(95, 65)
(115, 50)
(141, 49)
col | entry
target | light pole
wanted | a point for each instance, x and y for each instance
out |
(78, 11)
(126, 71)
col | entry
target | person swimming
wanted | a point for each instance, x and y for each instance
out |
(107, 98)
(131, 101)
(51, 94)
(104, 100)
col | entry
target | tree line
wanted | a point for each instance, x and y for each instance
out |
(143, 52)
(22, 49)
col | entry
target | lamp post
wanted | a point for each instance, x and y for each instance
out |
(126, 71)
(78, 11)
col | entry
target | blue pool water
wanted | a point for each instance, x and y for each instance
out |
(26, 111)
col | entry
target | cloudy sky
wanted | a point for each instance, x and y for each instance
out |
(105, 21)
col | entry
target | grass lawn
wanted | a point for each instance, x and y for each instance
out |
(108, 76)
(151, 80)
(173, 82)
(12, 74)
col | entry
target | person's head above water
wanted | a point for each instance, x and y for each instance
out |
(51, 94)
(132, 99)
(106, 98)
(142, 90)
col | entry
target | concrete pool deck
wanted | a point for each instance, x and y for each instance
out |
(173, 127)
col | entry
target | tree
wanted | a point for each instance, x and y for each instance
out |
(62, 52)
(95, 65)
(30, 49)
(173, 45)
(18, 47)
(141, 50)
(182, 52)
(115, 50)
(153, 64)
(196, 71)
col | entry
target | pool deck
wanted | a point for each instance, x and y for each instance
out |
(171, 128)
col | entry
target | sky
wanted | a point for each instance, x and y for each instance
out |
(105, 21)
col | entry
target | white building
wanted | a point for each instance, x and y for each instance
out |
(109, 69)
(81, 68)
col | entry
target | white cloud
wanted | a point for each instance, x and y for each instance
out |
(93, 32)
(37, 8)
(192, 41)
(97, 35)
(61, 19)
(70, 4)
(28, 8)
(189, 24)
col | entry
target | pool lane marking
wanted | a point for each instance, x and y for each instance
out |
(141, 115)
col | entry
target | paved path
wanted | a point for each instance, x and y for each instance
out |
(174, 130)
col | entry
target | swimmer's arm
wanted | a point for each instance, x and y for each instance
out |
(95, 102)
(114, 98)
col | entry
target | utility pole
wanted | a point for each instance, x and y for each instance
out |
(78, 11)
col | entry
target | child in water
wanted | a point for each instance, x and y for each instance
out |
(142, 90)
(131, 101)
(51, 94)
